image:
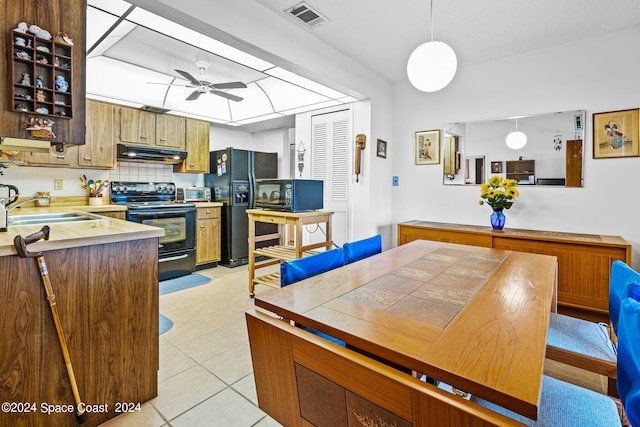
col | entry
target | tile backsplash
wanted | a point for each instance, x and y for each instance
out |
(142, 172)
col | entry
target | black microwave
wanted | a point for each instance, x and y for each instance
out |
(293, 195)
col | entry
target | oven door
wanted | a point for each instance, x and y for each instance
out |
(179, 226)
(176, 250)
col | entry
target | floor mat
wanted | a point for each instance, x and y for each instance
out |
(184, 282)
(165, 324)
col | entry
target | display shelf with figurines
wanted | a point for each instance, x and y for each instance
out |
(42, 71)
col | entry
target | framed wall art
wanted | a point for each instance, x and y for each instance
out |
(615, 134)
(496, 167)
(427, 147)
(381, 149)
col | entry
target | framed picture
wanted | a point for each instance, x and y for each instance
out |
(381, 149)
(427, 147)
(496, 167)
(615, 134)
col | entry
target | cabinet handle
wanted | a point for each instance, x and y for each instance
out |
(192, 165)
(143, 137)
(208, 212)
(87, 159)
(202, 227)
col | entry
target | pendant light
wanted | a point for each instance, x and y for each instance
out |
(516, 140)
(432, 65)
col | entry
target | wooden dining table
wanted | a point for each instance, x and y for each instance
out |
(473, 318)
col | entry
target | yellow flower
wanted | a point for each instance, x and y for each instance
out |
(499, 193)
(512, 192)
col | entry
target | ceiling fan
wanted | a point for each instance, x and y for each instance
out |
(203, 86)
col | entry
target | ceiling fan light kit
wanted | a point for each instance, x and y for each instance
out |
(432, 65)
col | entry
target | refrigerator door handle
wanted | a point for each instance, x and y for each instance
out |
(252, 181)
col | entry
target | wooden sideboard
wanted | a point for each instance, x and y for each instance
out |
(584, 260)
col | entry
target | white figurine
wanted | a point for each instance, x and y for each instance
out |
(21, 28)
(39, 32)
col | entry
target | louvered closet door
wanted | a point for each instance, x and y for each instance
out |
(330, 162)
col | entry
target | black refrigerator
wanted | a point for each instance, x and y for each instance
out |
(232, 177)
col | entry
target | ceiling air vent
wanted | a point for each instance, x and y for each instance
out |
(307, 15)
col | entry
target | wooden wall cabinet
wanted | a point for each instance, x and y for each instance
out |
(140, 127)
(197, 146)
(521, 170)
(584, 260)
(99, 150)
(170, 131)
(136, 126)
(67, 16)
(208, 235)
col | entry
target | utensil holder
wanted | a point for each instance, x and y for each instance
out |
(95, 199)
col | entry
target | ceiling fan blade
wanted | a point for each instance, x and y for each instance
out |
(194, 95)
(168, 84)
(229, 85)
(189, 77)
(227, 95)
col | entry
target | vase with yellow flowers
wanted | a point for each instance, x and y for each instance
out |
(499, 193)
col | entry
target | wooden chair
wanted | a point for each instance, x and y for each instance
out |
(590, 345)
(567, 404)
(355, 251)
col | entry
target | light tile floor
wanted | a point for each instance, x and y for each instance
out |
(205, 376)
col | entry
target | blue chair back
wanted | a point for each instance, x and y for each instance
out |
(621, 276)
(303, 268)
(361, 249)
(628, 368)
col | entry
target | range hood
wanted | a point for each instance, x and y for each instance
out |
(131, 153)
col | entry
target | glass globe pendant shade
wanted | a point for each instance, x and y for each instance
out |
(432, 66)
(516, 140)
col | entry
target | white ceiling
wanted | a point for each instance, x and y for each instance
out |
(381, 34)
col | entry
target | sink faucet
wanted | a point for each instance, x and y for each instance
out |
(4, 210)
(46, 198)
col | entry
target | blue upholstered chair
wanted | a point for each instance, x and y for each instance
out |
(309, 266)
(355, 251)
(586, 344)
(629, 353)
(303, 268)
(563, 404)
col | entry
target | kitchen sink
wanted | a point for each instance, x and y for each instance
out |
(51, 218)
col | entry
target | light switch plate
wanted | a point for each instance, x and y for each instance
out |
(396, 181)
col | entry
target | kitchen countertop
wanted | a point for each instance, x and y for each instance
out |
(76, 234)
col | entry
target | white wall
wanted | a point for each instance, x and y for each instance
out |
(574, 76)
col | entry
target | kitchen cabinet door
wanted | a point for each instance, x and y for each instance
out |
(208, 236)
(170, 131)
(99, 150)
(197, 145)
(136, 126)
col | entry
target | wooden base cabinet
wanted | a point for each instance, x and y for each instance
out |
(107, 300)
(208, 235)
(584, 260)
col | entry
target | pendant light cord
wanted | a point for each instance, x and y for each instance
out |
(431, 13)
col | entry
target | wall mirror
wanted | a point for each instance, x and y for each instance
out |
(551, 156)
